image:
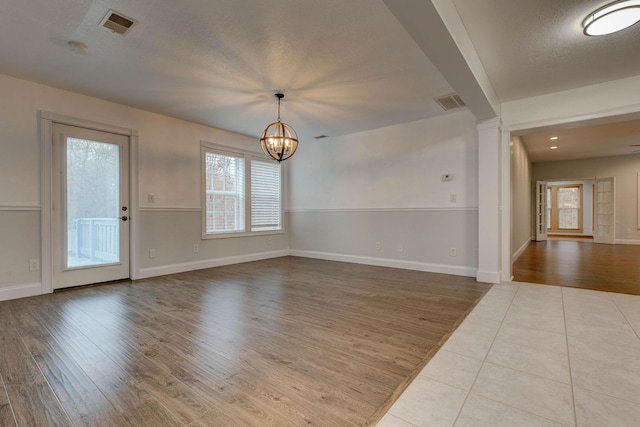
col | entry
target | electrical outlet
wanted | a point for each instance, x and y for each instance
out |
(151, 198)
(400, 247)
(378, 246)
(269, 241)
(196, 248)
(152, 253)
(452, 252)
(34, 264)
(453, 198)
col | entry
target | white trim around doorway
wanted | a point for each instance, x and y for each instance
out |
(45, 121)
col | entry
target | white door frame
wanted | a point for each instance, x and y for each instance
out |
(541, 211)
(46, 120)
(630, 113)
(610, 237)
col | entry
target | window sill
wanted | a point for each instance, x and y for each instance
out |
(241, 234)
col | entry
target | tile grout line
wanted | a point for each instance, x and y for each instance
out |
(608, 395)
(573, 397)
(507, 367)
(623, 315)
(464, 402)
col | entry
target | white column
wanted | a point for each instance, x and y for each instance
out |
(489, 199)
(505, 155)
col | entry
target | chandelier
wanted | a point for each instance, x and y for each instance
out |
(279, 140)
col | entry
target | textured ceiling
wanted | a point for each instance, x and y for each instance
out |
(535, 47)
(611, 139)
(344, 66)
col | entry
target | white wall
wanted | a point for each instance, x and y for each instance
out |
(348, 193)
(624, 168)
(169, 167)
(521, 223)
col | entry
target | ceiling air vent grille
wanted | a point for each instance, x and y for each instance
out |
(450, 101)
(117, 22)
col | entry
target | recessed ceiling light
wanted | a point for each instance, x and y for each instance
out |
(553, 147)
(553, 138)
(612, 18)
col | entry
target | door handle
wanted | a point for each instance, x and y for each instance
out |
(124, 218)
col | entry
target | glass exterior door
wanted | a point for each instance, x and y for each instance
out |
(91, 217)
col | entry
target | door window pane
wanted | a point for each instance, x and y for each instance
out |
(93, 203)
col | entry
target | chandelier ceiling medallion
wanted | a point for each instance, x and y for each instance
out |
(279, 140)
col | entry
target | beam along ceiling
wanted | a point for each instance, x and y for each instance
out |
(602, 140)
(344, 66)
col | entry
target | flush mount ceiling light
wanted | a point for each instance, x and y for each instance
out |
(611, 18)
(77, 47)
(279, 140)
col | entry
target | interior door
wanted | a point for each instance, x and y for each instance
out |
(90, 206)
(541, 211)
(604, 210)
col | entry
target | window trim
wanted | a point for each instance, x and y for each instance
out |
(554, 215)
(248, 156)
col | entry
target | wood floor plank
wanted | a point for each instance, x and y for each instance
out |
(17, 365)
(121, 390)
(581, 264)
(180, 400)
(35, 404)
(281, 342)
(93, 409)
(151, 414)
(6, 413)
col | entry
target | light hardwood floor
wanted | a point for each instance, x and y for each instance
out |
(581, 264)
(282, 342)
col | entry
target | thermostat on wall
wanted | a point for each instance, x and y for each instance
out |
(447, 177)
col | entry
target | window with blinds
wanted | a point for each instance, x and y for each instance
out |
(265, 196)
(241, 193)
(224, 193)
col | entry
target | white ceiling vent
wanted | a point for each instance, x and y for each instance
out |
(450, 101)
(117, 22)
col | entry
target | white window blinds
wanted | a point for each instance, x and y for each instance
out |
(265, 196)
(224, 193)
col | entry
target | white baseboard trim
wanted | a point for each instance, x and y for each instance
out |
(207, 263)
(521, 249)
(488, 276)
(20, 291)
(627, 242)
(385, 262)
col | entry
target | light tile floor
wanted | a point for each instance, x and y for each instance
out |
(532, 355)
